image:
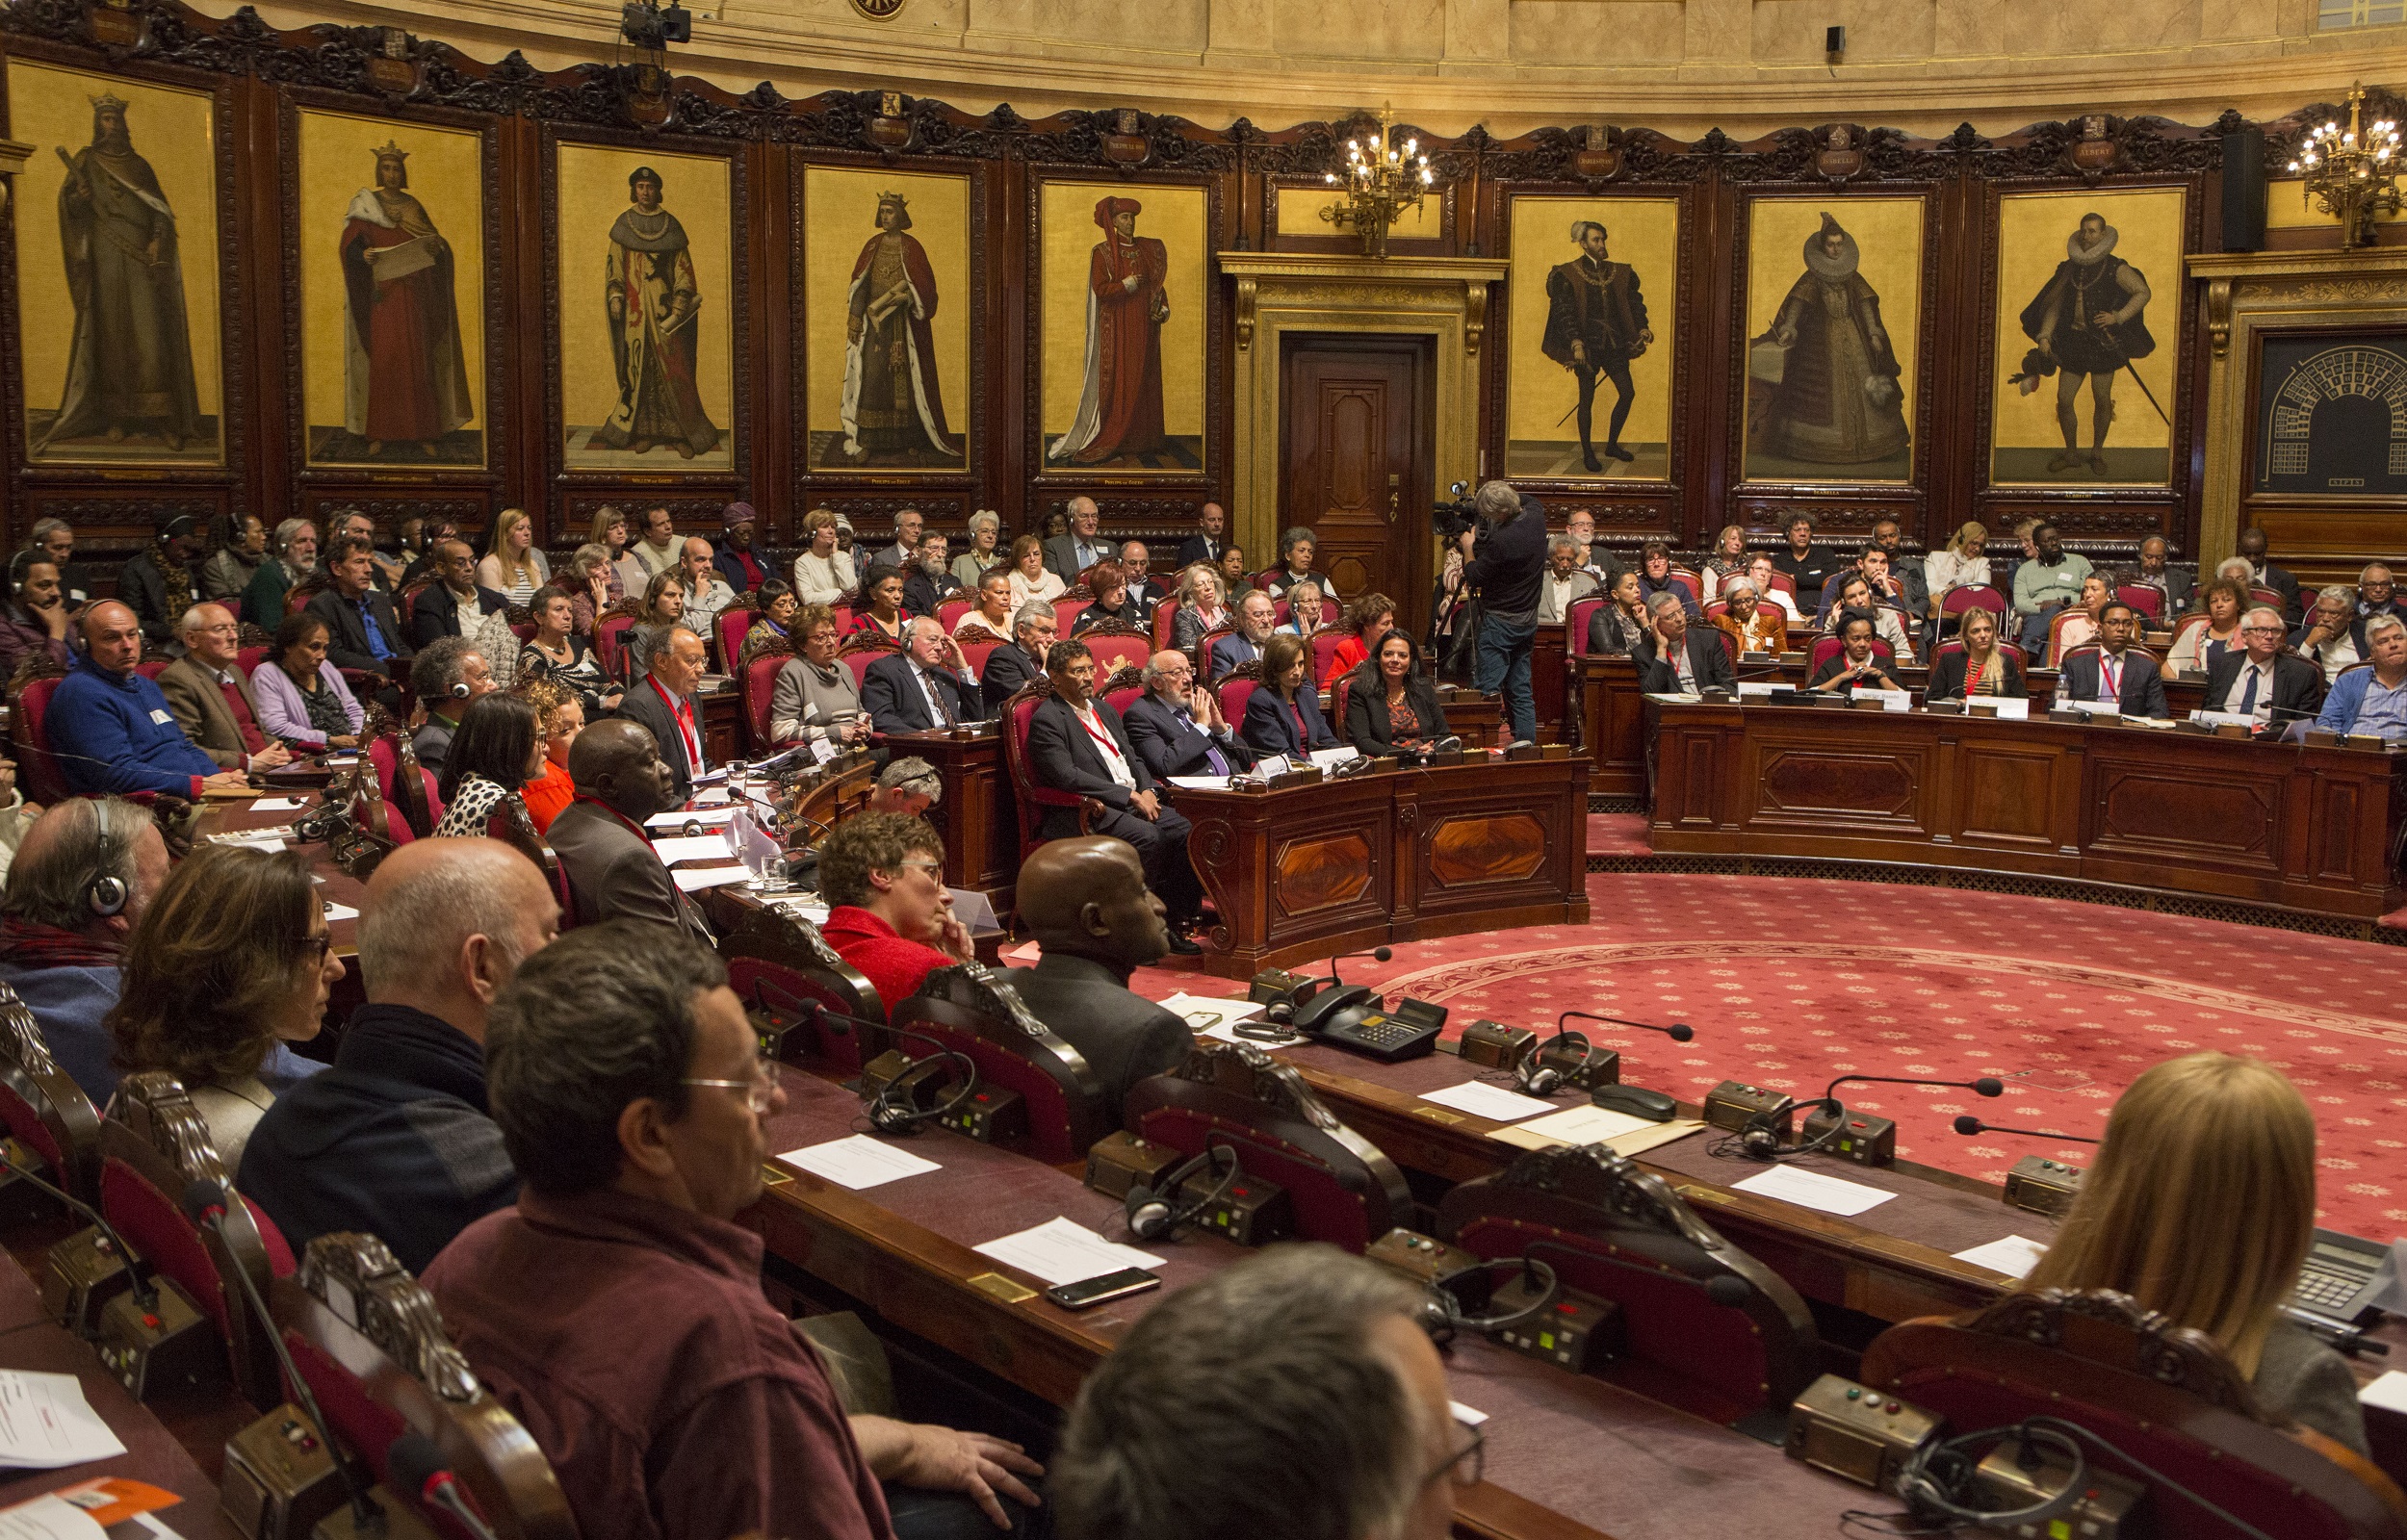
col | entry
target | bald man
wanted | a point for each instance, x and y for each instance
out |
(1086, 903)
(395, 1139)
(112, 729)
(613, 872)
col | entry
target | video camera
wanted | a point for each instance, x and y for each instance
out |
(1451, 519)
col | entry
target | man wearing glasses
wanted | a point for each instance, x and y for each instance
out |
(2262, 680)
(617, 1310)
(1176, 726)
(889, 914)
(1306, 1374)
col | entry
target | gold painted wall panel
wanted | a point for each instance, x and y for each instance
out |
(1077, 335)
(840, 236)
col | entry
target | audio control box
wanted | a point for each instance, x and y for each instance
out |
(1251, 1211)
(1577, 1331)
(2042, 1185)
(1493, 1045)
(1120, 1161)
(1417, 1257)
(2104, 1510)
(992, 1115)
(1854, 1432)
(1866, 1140)
(1734, 1104)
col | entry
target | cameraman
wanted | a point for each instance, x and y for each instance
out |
(1506, 560)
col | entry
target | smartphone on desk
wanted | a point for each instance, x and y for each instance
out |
(1088, 1293)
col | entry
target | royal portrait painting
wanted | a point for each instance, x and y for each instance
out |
(1592, 295)
(1832, 341)
(888, 307)
(1124, 284)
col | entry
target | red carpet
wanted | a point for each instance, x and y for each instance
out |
(1791, 981)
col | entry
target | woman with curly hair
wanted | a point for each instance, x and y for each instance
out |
(231, 962)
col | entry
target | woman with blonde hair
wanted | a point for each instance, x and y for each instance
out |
(1727, 560)
(2201, 1206)
(1962, 562)
(1031, 583)
(1200, 609)
(824, 574)
(628, 573)
(512, 564)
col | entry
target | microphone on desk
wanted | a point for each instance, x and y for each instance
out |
(204, 1204)
(1677, 1032)
(138, 1272)
(1985, 1085)
(1967, 1124)
(416, 1465)
(1377, 954)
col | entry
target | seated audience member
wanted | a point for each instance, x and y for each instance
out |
(1391, 706)
(881, 611)
(1234, 577)
(498, 749)
(1596, 558)
(358, 526)
(445, 677)
(775, 607)
(84, 875)
(1856, 595)
(1564, 584)
(1011, 666)
(2373, 701)
(1070, 553)
(591, 584)
(224, 575)
(559, 718)
(1759, 627)
(2170, 581)
(1809, 566)
(2081, 627)
(1857, 661)
(931, 581)
(2332, 637)
(2263, 682)
(458, 603)
(817, 696)
(511, 567)
(1654, 576)
(2263, 574)
(926, 687)
(1307, 1375)
(394, 1139)
(888, 913)
(824, 574)
(2045, 584)
(2115, 670)
(212, 700)
(557, 654)
(2201, 1204)
(303, 696)
(1085, 902)
(2377, 595)
(296, 558)
(162, 581)
(1729, 559)
(970, 567)
(706, 592)
(1032, 582)
(1963, 562)
(1759, 571)
(626, 570)
(37, 618)
(1449, 615)
(631, 1097)
(662, 608)
(55, 538)
(2199, 647)
(1077, 743)
(1145, 590)
(1284, 713)
(1257, 621)
(1978, 668)
(1199, 611)
(1176, 726)
(613, 872)
(1208, 542)
(1679, 658)
(661, 702)
(990, 609)
(2237, 569)
(111, 728)
(1888, 587)
(1297, 547)
(359, 615)
(1114, 604)
(909, 785)
(1618, 627)
(1308, 613)
(231, 962)
(1370, 618)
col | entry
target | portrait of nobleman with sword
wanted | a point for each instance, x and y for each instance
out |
(2086, 323)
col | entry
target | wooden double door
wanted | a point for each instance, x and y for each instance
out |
(1357, 463)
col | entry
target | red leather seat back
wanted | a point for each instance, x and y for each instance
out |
(1972, 596)
(1116, 652)
(247, 661)
(781, 966)
(1325, 645)
(733, 625)
(609, 643)
(1577, 619)
(1826, 648)
(949, 611)
(45, 782)
(150, 668)
(1066, 1111)
(1234, 691)
(41, 1107)
(757, 688)
(2145, 598)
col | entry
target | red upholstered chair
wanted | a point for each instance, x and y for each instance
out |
(41, 1108)
(1236, 689)
(1719, 607)
(1202, 655)
(2167, 1397)
(972, 1012)
(1067, 608)
(371, 1343)
(1031, 798)
(249, 659)
(154, 1145)
(1339, 692)
(1689, 580)
(1575, 622)
(1116, 646)
(610, 642)
(1610, 1229)
(781, 966)
(1265, 577)
(1786, 582)
(1121, 697)
(1729, 645)
(150, 668)
(728, 634)
(756, 687)
(2259, 594)
(1325, 645)
(405, 602)
(1281, 611)
(2195, 620)
(863, 649)
(1165, 617)
(1971, 595)
(2146, 597)
(413, 804)
(1234, 1096)
(45, 782)
(976, 653)
(2057, 625)
(1826, 648)
(948, 613)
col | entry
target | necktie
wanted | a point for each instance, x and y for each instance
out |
(252, 739)
(685, 727)
(944, 707)
(2249, 697)
(1212, 757)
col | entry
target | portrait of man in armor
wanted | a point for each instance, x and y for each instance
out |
(1596, 325)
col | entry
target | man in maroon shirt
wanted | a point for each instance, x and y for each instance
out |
(626, 1082)
(890, 917)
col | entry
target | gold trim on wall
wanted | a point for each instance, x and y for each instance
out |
(1279, 293)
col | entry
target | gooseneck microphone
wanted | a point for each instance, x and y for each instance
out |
(204, 1204)
(1985, 1085)
(137, 1271)
(1377, 954)
(1677, 1032)
(1969, 1124)
(415, 1464)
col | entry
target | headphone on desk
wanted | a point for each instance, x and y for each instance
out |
(1153, 1210)
(107, 893)
(1533, 1077)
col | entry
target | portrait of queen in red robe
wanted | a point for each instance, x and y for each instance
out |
(1120, 408)
(405, 377)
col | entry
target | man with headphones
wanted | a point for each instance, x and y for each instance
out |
(84, 874)
(110, 730)
(447, 675)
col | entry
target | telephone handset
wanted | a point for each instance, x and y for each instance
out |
(1319, 1013)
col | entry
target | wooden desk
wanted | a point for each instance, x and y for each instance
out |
(1401, 856)
(979, 815)
(1549, 689)
(722, 724)
(2308, 829)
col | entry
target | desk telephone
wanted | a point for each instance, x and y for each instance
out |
(1353, 1016)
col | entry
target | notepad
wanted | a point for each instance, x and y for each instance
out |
(1064, 1251)
(45, 1423)
(2015, 1256)
(694, 879)
(859, 1162)
(692, 847)
(1811, 1190)
(276, 804)
(338, 911)
(1619, 1132)
(1493, 1102)
(2387, 1390)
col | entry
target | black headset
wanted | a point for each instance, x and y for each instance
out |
(1153, 1211)
(1443, 1314)
(108, 892)
(1760, 1139)
(1537, 1079)
(895, 1109)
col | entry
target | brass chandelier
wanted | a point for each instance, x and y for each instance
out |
(1381, 181)
(2352, 172)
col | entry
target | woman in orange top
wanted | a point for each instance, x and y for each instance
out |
(561, 716)
(1370, 618)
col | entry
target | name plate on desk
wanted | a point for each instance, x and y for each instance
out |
(2090, 708)
(2225, 722)
(1307, 776)
(2006, 708)
(1885, 700)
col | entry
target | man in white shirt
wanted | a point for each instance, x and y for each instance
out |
(706, 592)
(930, 685)
(657, 549)
(1564, 584)
(2333, 637)
(1257, 616)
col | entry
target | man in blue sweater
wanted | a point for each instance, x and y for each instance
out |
(111, 728)
(84, 875)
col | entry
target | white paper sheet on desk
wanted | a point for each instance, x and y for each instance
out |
(859, 1162)
(1331, 759)
(2387, 1390)
(692, 847)
(711, 797)
(2015, 1256)
(1202, 1011)
(1619, 1132)
(694, 879)
(276, 804)
(340, 761)
(1675, 698)
(45, 1423)
(2223, 719)
(340, 912)
(262, 839)
(48, 1517)
(2009, 707)
(1811, 1190)
(1493, 1102)
(1201, 782)
(691, 816)
(1064, 1251)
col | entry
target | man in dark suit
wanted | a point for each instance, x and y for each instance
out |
(362, 631)
(1681, 658)
(1067, 556)
(435, 611)
(2154, 570)
(926, 687)
(2377, 593)
(1086, 903)
(2262, 681)
(162, 581)
(1145, 590)
(931, 581)
(2113, 670)
(662, 702)
(1077, 743)
(1257, 616)
(613, 872)
(1177, 724)
(1011, 666)
(2252, 545)
(1209, 540)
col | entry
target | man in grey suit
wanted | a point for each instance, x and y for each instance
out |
(613, 872)
(1067, 556)
(662, 701)
(1086, 903)
(212, 700)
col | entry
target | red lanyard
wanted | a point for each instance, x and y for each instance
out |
(1103, 739)
(2109, 674)
(683, 713)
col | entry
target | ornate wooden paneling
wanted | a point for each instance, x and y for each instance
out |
(1324, 873)
(1470, 850)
